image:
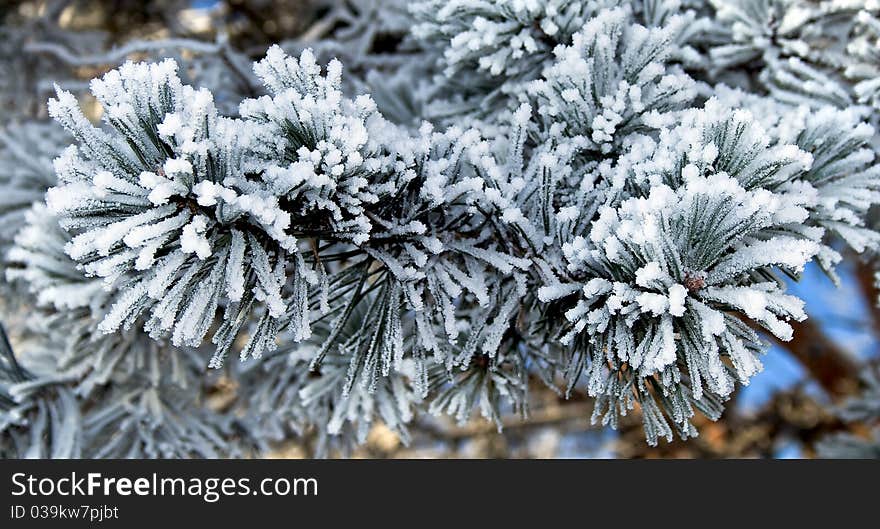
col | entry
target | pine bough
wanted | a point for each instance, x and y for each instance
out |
(592, 209)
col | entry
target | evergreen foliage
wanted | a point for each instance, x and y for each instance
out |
(864, 408)
(605, 197)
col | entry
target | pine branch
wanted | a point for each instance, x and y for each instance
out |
(601, 196)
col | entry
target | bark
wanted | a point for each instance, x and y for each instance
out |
(833, 367)
(868, 287)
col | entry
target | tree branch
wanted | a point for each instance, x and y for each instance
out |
(831, 366)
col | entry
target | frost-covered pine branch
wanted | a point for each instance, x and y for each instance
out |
(26, 153)
(160, 172)
(607, 197)
(865, 50)
(813, 53)
(39, 415)
(134, 396)
(612, 81)
(488, 52)
(655, 289)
